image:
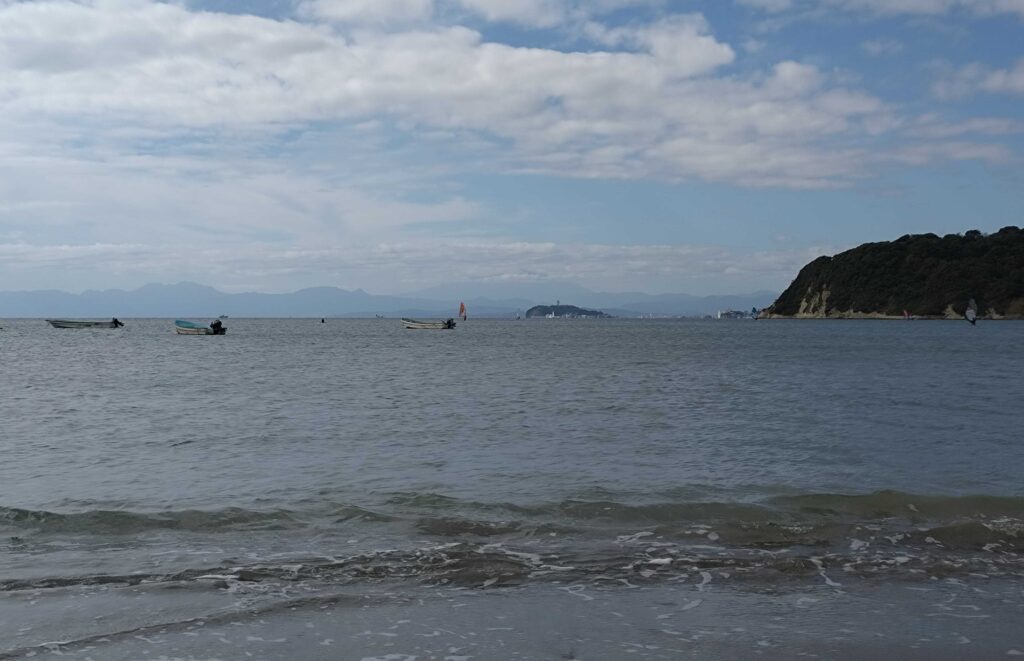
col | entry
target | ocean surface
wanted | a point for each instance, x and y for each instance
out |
(560, 489)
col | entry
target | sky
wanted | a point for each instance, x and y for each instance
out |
(391, 145)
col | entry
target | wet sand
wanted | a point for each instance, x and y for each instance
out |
(935, 619)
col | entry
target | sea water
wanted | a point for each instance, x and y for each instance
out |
(512, 489)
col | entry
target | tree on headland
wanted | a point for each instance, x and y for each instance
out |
(924, 274)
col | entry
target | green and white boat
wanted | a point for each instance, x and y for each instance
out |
(182, 327)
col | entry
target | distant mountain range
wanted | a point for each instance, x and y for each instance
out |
(188, 299)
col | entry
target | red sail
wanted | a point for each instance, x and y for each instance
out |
(462, 310)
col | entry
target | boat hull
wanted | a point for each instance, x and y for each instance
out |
(192, 328)
(197, 331)
(427, 325)
(68, 323)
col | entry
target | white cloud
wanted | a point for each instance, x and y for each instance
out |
(368, 11)
(546, 13)
(532, 13)
(898, 6)
(541, 13)
(895, 7)
(158, 67)
(793, 78)
(143, 124)
(972, 78)
(955, 83)
(933, 127)
(1006, 80)
(92, 72)
(682, 41)
(923, 154)
(656, 110)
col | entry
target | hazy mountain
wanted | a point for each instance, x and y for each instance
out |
(522, 293)
(188, 299)
(686, 305)
(516, 295)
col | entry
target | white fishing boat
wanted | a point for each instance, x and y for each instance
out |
(74, 323)
(192, 328)
(414, 324)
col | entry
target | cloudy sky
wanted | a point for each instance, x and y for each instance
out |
(655, 145)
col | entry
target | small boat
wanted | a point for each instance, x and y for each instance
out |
(448, 324)
(192, 328)
(71, 323)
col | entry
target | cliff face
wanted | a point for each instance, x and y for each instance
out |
(923, 274)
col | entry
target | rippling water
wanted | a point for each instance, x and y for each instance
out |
(532, 453)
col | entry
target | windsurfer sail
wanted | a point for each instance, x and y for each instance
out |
(971, 314)
(462, 310)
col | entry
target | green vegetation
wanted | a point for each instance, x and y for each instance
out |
(924, 274)
(570, 311)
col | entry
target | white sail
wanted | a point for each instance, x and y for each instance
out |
(971, 314)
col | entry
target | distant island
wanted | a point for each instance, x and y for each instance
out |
(564, 311)
(920, 275)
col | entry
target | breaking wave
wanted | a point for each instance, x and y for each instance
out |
(639, 558)
(448, 541)
(872, 506)
(886, 504)
(811, 518)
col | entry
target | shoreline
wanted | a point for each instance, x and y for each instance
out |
(939, 619)
(863, 316)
